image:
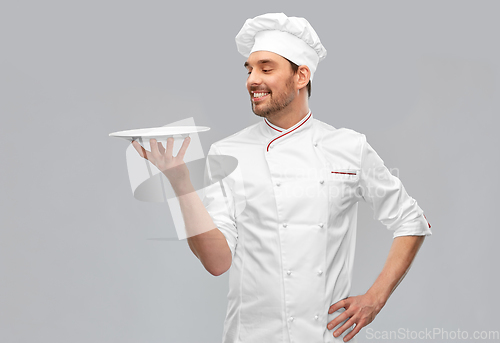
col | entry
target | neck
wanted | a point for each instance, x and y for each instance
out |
(288, 117)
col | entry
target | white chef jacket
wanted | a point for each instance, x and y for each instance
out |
(288, 213)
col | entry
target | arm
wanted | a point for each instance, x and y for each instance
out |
(204, 239)
(210, 246)
(362, 309)
(399, 212)
(401, 255)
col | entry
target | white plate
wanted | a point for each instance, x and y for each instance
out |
(159, 133)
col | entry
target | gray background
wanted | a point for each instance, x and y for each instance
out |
(82, 261)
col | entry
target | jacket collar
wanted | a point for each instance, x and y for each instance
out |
(279, 134)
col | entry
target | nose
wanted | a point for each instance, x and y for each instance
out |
(254, 79)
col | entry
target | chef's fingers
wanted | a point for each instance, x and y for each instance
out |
(337, 320)
(154, 148)
(183, 148)
(142, 152)
(353, 332)
(344, 327)
(170, 146)
(338, 305)
(161, 149)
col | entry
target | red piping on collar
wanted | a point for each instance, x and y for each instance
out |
(271, 126)
(286, 133)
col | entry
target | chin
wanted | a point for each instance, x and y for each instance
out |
(260, 112)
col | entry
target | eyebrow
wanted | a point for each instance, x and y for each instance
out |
(259, 62)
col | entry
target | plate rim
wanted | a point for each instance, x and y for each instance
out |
(126, 133)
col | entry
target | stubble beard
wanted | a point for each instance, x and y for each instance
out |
(276, 103)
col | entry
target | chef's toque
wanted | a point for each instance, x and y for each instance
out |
(290, 37)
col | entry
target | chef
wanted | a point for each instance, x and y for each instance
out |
(284, 222)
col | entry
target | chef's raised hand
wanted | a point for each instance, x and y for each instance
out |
(359, 310)
(173, 167)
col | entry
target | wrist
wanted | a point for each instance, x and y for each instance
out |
(379, 298)
(182, 186)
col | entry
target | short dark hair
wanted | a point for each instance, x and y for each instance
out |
(295, 68)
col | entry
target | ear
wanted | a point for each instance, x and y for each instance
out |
(303, 74)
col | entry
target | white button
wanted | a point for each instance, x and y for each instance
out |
(316, 317)
(285, 224)
(322, 181)
(289, 272)
(320, 224)
(272, 146)
(315, 144)
(278, 184)
(320, 272)
(291, 319)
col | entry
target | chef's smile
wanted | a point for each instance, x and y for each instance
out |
(259, 96)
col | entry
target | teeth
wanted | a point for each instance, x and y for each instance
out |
(258, 95)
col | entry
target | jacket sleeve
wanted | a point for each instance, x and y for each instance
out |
(387, 197)
(218, 199)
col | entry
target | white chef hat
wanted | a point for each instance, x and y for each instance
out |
(290, 37)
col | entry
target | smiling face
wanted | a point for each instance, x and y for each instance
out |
(271, 83)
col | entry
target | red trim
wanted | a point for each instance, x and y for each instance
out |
(271, 126)
(286, 133)
(427, 221)
(344, 173)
